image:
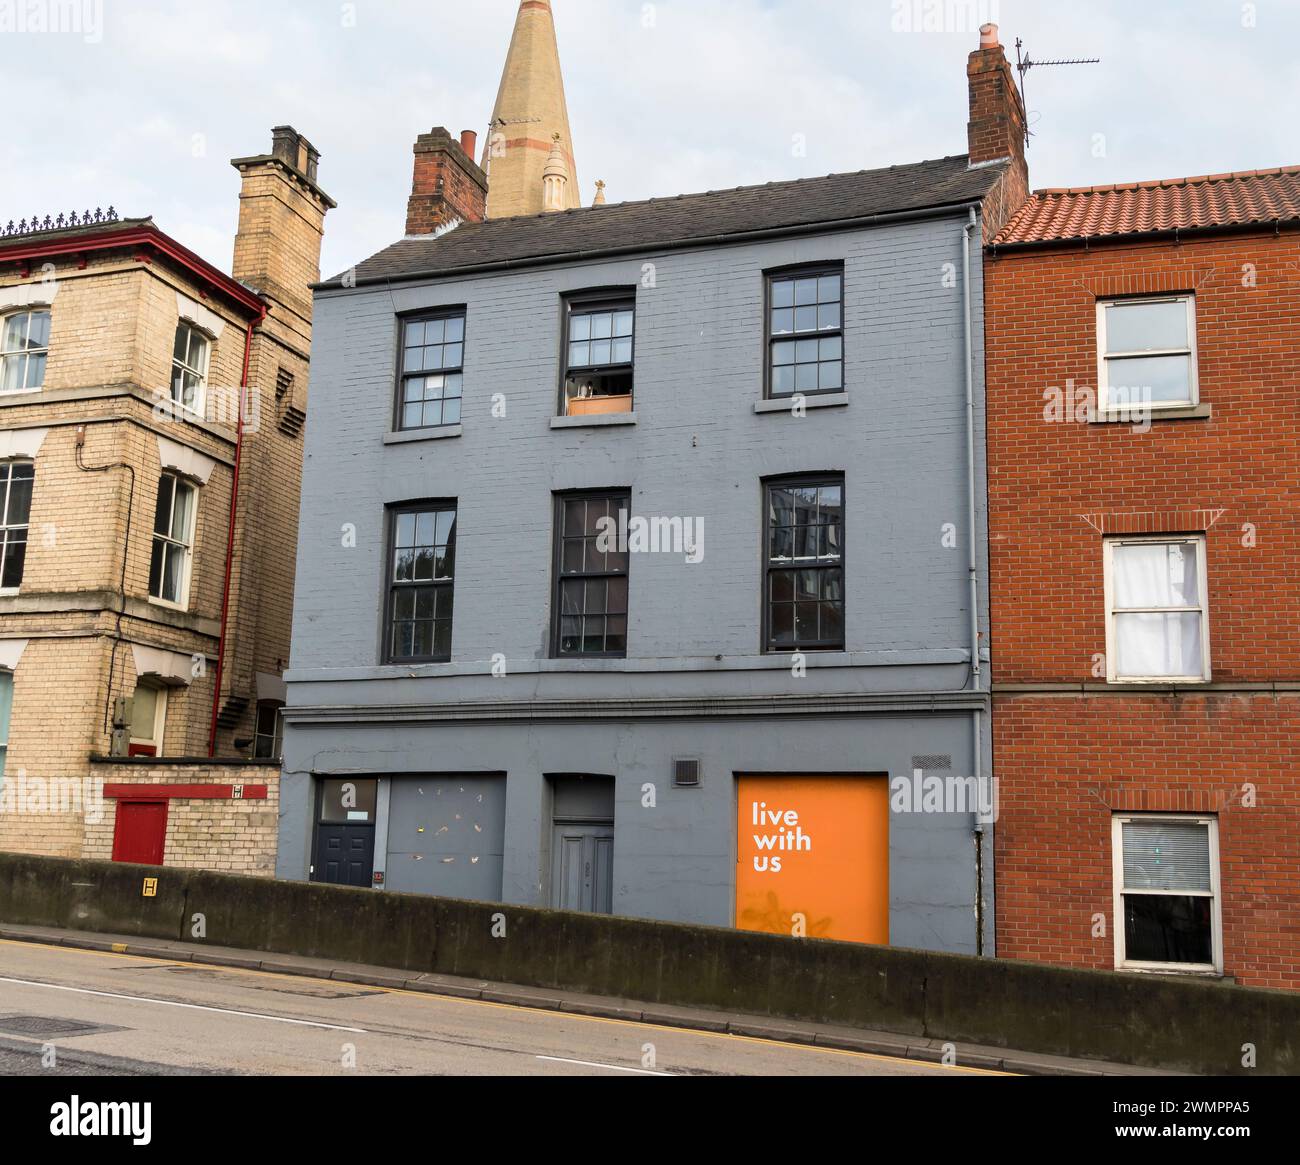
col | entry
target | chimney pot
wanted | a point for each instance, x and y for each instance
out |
(989, 36)
(469, 141)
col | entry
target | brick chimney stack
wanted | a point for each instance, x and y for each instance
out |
(448, 185)
(996, 130)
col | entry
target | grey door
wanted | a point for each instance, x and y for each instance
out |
(582, 843)
(583, 876)
(446, 836)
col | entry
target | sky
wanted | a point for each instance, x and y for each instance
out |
(141, 103)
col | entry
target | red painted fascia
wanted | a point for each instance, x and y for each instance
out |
(27, 249)
(122, 791)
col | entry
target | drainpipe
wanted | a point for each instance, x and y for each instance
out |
(230, 534)
(976, 671)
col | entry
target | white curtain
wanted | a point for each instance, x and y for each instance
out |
(1157, 643)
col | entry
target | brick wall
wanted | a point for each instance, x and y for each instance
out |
(1065, 762)
(229, 835)
(276, 251)
(113, 324)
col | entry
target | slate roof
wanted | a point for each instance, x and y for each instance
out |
(1249, 197)
(688, 219)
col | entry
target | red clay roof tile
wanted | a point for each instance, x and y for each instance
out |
(1209, 200)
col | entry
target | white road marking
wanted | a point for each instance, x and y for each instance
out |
(611, 1067)
(190, 1006)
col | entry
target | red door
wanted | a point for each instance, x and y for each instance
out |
(140, 832)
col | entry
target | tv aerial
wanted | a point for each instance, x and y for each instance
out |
(1024, 63)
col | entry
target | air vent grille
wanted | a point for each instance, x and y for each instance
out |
(686, 772)
(932, 761)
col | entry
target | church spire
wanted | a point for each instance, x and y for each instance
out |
(530, 113)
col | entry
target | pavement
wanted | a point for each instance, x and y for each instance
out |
(80, 1004)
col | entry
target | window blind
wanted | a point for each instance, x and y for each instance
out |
(1166, 855)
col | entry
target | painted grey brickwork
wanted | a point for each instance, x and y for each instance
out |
(698, 449)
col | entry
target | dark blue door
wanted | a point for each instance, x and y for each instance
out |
(345, 854)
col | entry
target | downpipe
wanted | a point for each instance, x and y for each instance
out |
(976, 669)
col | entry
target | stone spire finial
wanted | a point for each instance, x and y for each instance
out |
(599, 200)
(555, 178)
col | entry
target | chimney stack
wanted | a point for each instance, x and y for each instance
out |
(996, 131)
(281, 220)
(448, 185)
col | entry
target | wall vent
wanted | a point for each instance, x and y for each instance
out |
(292, 421)
(931, 761)
(686, 772)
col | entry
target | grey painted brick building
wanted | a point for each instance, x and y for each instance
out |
(719, 718)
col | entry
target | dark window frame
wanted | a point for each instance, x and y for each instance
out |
(784, 481)
(558, 577)
(391, 585)
(770, 339)
(588, 303)
(424, 316)
(276, 736)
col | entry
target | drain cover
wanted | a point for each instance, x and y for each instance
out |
(44, 1025)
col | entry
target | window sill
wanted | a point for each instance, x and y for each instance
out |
(1158, 681)
(409, 436)
(595, 421)
(1198, 971)
(1140, 415)
(786, 404)
(182, 608)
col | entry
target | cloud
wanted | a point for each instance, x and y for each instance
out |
(665, 97)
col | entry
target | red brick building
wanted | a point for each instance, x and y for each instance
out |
(1144, 496)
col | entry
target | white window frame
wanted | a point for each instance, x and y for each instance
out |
(183, 601)
(5, 525)
(1215, 894)
(199, 407)
(159, 719)
(29, 311)
(6, 725)
(1127, 408)
(1112, 653)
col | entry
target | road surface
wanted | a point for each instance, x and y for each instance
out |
(74, 1012)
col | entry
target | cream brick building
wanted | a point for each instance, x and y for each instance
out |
(148, 527)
